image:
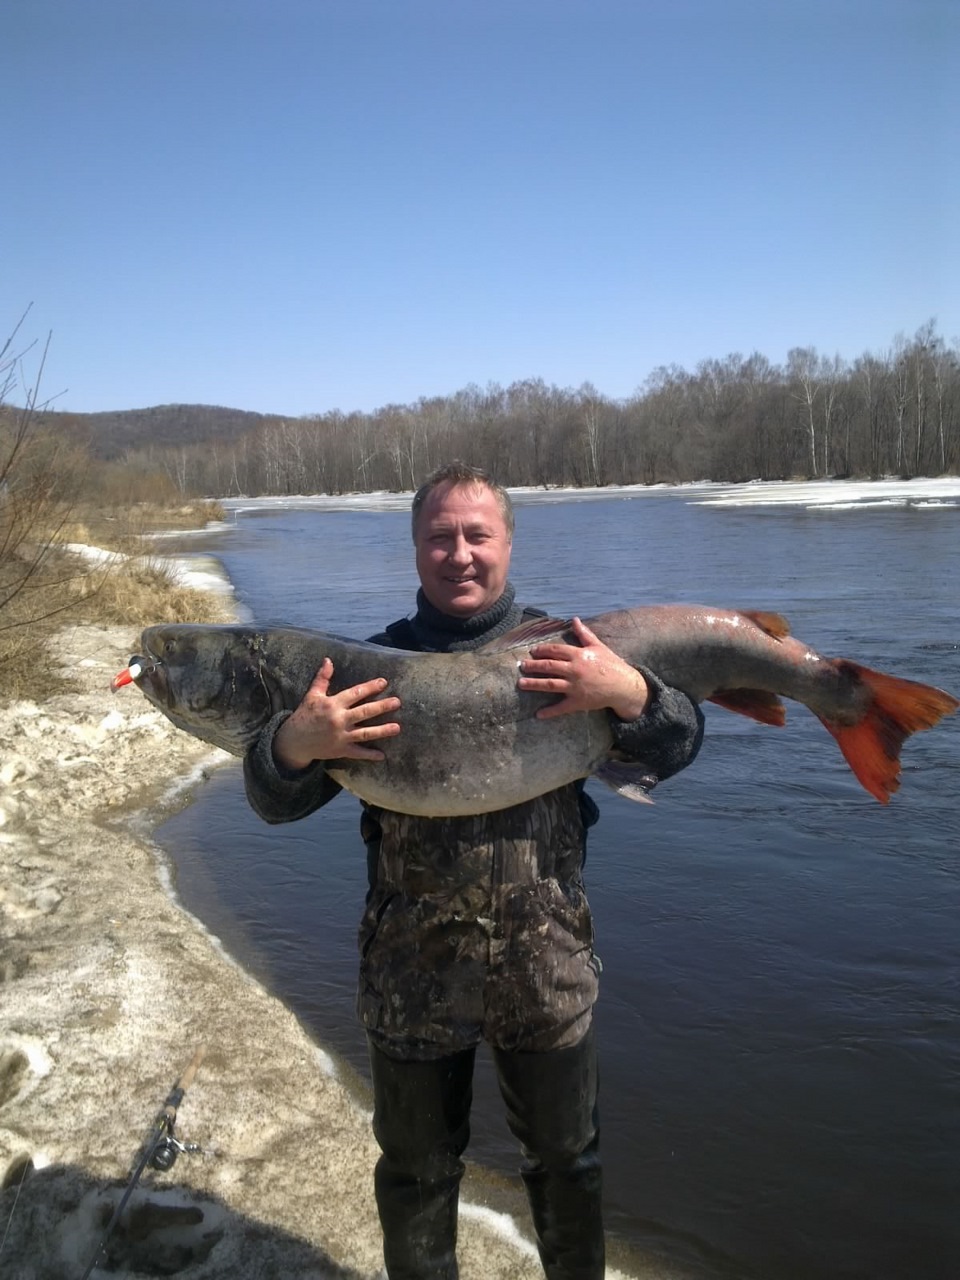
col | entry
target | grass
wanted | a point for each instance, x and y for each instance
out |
(128, 528)
(134, 590)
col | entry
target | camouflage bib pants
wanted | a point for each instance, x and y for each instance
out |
(478, 928)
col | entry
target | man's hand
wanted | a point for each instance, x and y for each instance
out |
(589, 676)
(332, 726)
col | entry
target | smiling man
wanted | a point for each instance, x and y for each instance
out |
(463, 538)
(476, 928)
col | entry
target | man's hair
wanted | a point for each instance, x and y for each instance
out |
(461, 473)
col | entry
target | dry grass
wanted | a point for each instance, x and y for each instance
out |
(128, 528)
(136, 590)
(139, 593)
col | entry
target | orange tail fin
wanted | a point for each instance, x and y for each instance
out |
(897, 708)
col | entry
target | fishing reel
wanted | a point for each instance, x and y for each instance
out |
(162, 1155)
(168, 1148)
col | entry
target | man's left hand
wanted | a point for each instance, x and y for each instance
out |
(588, 676)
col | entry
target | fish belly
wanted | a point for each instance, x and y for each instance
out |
(470, 742)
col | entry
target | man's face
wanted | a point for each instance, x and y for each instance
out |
(463, 549)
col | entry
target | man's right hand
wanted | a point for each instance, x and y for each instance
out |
(332, 726)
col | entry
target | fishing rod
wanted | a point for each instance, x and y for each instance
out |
(160, 1149)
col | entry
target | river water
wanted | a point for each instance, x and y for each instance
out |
(780, 1039)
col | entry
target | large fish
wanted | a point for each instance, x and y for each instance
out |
(470, 741)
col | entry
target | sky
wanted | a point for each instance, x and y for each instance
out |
(295, 206)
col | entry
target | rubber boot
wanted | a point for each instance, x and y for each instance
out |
(552, 1109)
(421, 1120)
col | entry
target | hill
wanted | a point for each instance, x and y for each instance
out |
(112, 434)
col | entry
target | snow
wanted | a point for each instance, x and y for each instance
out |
(934, 493)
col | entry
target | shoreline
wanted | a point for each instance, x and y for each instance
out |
(822, 494)
(109, 986)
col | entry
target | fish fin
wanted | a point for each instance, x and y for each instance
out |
(758, 704)
(774, 624)
(632, 781)
(536, 631)
(897, 708)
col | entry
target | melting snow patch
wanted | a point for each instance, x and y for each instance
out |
(501, 1223)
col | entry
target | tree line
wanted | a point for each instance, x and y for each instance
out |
(735, 419)
(732, 419)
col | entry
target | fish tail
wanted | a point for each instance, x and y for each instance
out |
(896, 709)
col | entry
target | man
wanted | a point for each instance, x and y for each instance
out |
(476, 927)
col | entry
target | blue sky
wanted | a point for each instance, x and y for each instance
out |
(303, 205)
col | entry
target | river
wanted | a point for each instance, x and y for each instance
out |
(778, 1021)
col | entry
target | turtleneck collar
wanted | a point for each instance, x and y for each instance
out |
(438, 632)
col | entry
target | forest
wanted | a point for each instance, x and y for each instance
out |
(732, 419)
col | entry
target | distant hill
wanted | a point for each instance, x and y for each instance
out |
(111, 435)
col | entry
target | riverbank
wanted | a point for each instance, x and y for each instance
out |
(109, 987)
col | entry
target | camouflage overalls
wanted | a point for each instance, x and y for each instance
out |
(477, 928)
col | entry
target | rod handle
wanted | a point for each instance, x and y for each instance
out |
(184, 1083)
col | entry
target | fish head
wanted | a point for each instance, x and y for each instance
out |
(210, 681)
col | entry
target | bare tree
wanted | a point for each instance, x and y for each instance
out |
(830, 373)
(802, 368)
(900, 390)
(39, 473)
(940, 361)
(592, 407)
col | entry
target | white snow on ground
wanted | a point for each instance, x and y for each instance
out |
(836, 494)
(203, 573)
(943, 491)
